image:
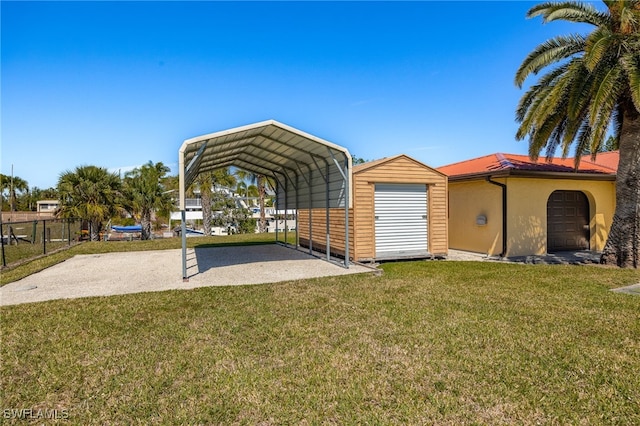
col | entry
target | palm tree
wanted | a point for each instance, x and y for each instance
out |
(206, 182)
(11, 184)
(242, 191)
(260, 181)
(143, 193)
(90, 193)
(592, 88)
(252, 192)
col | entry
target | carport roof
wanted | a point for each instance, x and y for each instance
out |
(267, 148)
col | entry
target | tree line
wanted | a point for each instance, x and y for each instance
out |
(96, 195)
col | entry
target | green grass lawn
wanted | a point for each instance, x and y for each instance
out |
(426, 343)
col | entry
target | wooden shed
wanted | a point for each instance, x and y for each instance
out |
(399, 211)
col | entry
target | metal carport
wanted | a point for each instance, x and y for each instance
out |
(309, 172)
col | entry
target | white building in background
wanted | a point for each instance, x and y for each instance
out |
(47, 206)
(194, 213)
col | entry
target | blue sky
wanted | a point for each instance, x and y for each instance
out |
(116, 84)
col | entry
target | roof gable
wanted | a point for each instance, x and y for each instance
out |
(377, 163)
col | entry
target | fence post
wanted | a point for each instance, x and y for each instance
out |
(4, 259)
(34, 232)
(69, 231)
(44, 237)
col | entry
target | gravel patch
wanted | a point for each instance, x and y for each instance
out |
(631, 289)
(136, 272)
(461, 255)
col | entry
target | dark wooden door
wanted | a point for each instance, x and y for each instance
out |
(567, 221)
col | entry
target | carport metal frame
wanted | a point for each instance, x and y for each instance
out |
(313, 171)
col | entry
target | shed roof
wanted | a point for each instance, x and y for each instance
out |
(375, 163)
(507, 163)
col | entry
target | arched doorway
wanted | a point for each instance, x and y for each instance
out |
(567, 221)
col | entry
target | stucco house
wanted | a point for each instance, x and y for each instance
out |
(507, 205)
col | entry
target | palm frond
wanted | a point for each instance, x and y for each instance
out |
(527, 125)
(631, 65)
(628, 13)
(549, 52)
(607, 88)
(569, 11)
(546, 80)
(581, 85)
(616, 122)
(556, 137)
(598, 44)
(582, 142)
(539, 137)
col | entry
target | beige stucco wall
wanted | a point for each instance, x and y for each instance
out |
(468, 200)
(527, 211)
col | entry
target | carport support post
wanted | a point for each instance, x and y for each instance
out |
(346, 211)
(286, 206)
(297, 211)
(183, 227)
(275, 216)
(310, 212)
(327, 205)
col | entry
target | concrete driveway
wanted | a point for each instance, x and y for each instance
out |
(137, 272)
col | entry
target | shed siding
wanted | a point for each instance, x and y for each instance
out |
(401, 169)
(319, 230)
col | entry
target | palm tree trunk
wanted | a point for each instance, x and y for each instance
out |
(206, 211)
(94, 231)
(262, 227)
(623, 244)
(145, 224)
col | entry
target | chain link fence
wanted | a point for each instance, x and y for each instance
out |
(25, 240)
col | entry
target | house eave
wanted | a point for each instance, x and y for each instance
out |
(533, 174)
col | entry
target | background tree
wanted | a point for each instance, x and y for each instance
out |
(143, 193)
(357, 160)
(241, 190)
(90, 193)
(611, 144)
(11, 185)
(230, 216)
(260, 181)
(593, 86)
(28, 200)
(252, 192)
(207, 183)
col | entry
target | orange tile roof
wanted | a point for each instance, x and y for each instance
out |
(506, 162)
(608, 159)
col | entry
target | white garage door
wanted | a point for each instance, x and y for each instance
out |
(401, 220)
